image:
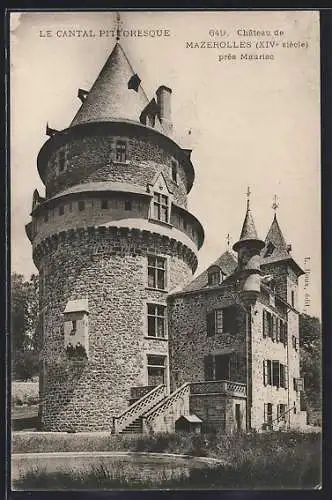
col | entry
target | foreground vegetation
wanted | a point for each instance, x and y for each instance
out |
(261, 461)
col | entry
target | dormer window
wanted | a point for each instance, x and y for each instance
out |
(121, 152)
(215, 276)
(160, 207)
(134, 82)
(269, 250)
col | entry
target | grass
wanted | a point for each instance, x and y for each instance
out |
(252, 461)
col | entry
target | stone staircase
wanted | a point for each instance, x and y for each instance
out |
(136, 427)
(157, 411)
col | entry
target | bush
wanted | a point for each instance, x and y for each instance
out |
(25, 364)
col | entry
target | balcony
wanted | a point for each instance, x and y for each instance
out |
(227, 387)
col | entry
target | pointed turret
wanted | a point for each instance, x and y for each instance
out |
(275, 244)
(113, 96)
(276, 249)
(248, 248)
(248, 237)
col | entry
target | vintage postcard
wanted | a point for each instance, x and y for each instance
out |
(165, 252)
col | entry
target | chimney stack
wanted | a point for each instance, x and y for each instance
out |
(164, 103)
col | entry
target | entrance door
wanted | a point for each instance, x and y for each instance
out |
(238, 419)
(156, 370)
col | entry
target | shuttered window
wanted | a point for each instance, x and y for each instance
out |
(211, 324)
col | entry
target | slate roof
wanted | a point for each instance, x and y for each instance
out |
(280, 251)
(276, 237)
(248, 230)
(110, 98)
(77, 306)
(226, 262)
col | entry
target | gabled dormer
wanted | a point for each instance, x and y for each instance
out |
(162, 197)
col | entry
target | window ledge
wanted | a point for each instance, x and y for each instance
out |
(149, 337)
(163, 290)
(160, 222)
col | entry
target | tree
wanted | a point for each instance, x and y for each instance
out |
(311, 360)
(24, 315)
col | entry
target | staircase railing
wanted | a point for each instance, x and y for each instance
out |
(177, 402)
(141, 406)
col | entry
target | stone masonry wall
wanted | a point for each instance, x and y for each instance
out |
(189, 343)
(94, 215)
(90, 160)
(109, 268)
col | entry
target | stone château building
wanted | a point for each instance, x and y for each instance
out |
(128, 342)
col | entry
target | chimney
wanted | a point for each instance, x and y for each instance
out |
(164, 103)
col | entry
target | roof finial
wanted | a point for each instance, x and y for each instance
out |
(228, 240)
(118, 22)
(248, 193)
(275, 204)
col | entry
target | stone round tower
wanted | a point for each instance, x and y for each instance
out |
(111, 238)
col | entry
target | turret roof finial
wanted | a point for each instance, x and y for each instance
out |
(275, 204)
(248, 193)
(228, 240)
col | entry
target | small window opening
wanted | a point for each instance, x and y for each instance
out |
(174, 172)
(61, 210)
(81, 206)
(121, 152)
(127, 206)
(104, 204)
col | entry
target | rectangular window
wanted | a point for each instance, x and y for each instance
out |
(70, 207)
(229, 319)
(268, 414)
(46, 217)
(81, 206)
(61, 210)
(281, 412)
(214, 278)
(276, 373)
(283, 376)
(293, 298)
(156, 369)
(157, 272)
(73, 327)
(211, 323)
(217, 367)
(127, 205)
(156, 320)
(294, 342)
(174, 172)
(267, 372)
(121, 152)
(104, 204)
(160, 207)
(219, 321)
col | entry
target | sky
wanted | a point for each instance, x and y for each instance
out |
(249, 122)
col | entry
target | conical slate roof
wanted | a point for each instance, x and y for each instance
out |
(110, 98)
(248, 230)
(276, 238)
